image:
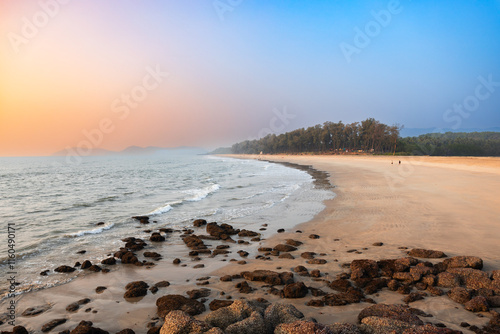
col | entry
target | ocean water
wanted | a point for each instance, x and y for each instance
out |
(56, 206)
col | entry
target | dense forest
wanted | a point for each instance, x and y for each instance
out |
(370, 136)
(452, 143)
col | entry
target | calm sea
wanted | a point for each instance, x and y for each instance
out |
(56, 206)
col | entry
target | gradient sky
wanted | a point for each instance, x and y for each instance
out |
(233, 68)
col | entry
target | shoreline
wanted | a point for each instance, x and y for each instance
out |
(347, 228)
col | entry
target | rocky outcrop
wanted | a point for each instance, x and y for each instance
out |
(426, 253)
(169, 303)
(269, 277)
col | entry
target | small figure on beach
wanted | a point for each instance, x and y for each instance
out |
(391, 162)
(400, 162)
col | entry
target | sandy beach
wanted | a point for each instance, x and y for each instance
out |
(446, 204)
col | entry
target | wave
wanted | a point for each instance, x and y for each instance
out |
(93, 231)
(199, 194)
(195, 195)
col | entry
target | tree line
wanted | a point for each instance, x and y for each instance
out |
(369, 135)
(452, 144)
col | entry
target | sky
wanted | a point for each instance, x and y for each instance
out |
(111, 74)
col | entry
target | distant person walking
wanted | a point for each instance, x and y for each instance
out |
(400, 162)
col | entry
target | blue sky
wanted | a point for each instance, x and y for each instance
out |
(232, 64)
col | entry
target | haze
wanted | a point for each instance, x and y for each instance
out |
(210, 73)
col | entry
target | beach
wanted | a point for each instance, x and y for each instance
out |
(382, 209)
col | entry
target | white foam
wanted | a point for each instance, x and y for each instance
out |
(199, 194)
(94, 231)
(162, 209)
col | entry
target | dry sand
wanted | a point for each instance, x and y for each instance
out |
(447, 204)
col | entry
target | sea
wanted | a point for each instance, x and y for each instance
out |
(51, 207)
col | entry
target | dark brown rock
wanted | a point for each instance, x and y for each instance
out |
(151, 254)
(459, 295)
(314, 236)
(477, 304)
(52, 324)
(199, 222)
(287, 256)
(352, 295)
(73, 307)
(341, 285)
(223, 231)
(247, 233)
(268, 276)
(85, 327)
(64, 269)
(308, 255)
(100, 289)
(302, 327)
(472, 278)
(218, 303)
(95, 268)
(294, 243)
(244, 287)
(316, 261)
(169, 303)
(156, 237)
(448, 280)
(426, 253)
(294, 290)
(473, 262)
(198, 293)
(364, 268)
(395, 312)
(284, 248)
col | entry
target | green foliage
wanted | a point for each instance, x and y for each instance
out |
(453, 144)
(368, 136)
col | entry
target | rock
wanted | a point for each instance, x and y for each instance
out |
(151, 254)
(226, 316)
(448, 280)
(281, 230)
(464, 262)
(268, 276)
(244, 287)
(95, 268)
(381, 325)
(459, 295)
(194, 242)
(154, 330)
(73, 307)
(294, 243)
(302, 327)
(477, 304)
(85, 327)
(341, 285)
(493, 301)
(294, 290)
(247, 233)
(127, 257)
(162, 284)
(169, 303)
(19, 330)
(287, 256)
(126, 331)
(52, 324)
(36, 310)
(377, 244)
(199, 222)
(242, 253)
(136, 289)
(344, 328)
(176, 261)
(226, 278)
(109, 261)
(374, 285)
(64, 269)
(364, 268)
(316, 261)
(352, 295)
(314, 236)
(100, 289)
(156, 237)
(472, 278)
(426, 253)
(278, 313)
(223, 231)
(178, 322)
(219, 303)
(308, 255)
(495, 275)
(142, 219)
(284, 248)
(395, 312)
(414, 296)
(315, 273)
(198, 293)
(250, 325)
